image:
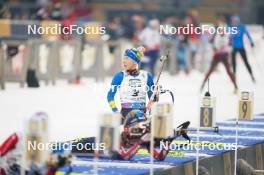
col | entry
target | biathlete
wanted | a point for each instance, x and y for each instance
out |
(136, 135)
(238, 45)
(135, 86)
(221, 54)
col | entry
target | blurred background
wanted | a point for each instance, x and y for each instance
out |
(250, 11)
(126, 21)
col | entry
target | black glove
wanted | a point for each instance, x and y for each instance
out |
(156, 98)
(252, 45)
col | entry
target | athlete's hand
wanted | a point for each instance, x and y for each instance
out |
(115, 110)
(252, 45)
(149, 105)
(156, 97)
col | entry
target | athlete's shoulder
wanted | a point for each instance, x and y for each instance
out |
(147, 75)
(242, 26)
(119, 74)
(143, 73)
(118, 77)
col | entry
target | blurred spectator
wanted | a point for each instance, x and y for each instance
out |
(56, 12)
(168, 39)
(181, 54)
(182, 50)
(5, 12)
(42, 14)
(128, 27)
(169, 22)
(205, 51)
(139, 25)
(114, 28)
(67, 10)
(67, 23)
(192, 19)
(79, 9)
(42, 3)
(151, 40)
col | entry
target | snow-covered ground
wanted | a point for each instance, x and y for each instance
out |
(73, 109)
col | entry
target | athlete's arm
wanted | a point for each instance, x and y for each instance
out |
(158, 153)
(127, 154)
(249, 36)
(150, 84)
(116, 82)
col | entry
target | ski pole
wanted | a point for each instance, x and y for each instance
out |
(163, 58)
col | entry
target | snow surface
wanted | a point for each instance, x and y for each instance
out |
(73, 109)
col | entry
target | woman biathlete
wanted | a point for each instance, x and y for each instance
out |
(221, 54)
